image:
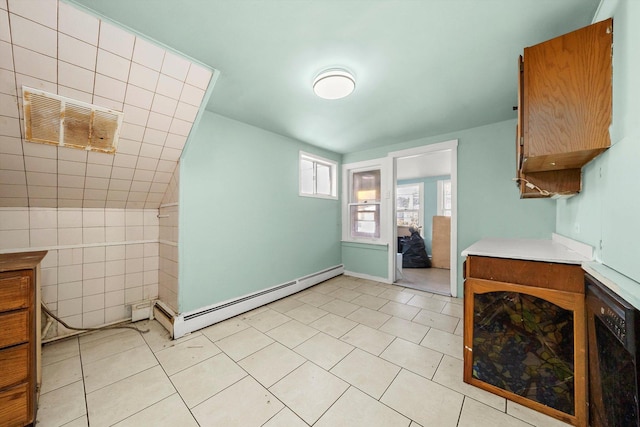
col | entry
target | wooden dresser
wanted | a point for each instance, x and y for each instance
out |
(19, 337)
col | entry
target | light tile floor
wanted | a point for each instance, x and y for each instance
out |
(347, 352)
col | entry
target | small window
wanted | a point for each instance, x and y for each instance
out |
(364, 204)
(444, 197)
(317, 176)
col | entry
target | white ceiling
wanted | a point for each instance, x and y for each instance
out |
(58, 48)
(423, 67)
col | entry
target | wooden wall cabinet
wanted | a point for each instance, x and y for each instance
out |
(19, 337)
(564, 109)
(525, 334)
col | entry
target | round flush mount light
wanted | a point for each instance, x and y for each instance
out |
(334, 84)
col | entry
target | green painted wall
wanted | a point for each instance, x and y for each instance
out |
(430, 204)
(488, 200)
(243, 226)
(605, 213)
(365, 259)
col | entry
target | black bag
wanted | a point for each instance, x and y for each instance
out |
(414, 254)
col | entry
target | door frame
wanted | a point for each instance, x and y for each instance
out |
(393, 156)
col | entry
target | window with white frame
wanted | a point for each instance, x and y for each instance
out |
(318, 177)
(444, 197)
(409, 210)
(364, 204)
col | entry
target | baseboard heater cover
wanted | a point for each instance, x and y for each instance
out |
(192, 321)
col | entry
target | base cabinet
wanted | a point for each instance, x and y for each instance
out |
(19, 346)
(524, 334)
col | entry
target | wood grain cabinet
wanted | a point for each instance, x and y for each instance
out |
(525, 334)
(564, 109)
(19, 340)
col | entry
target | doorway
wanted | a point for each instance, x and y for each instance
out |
(425, 199)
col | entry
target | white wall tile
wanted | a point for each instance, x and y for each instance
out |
(175, 141)
(175, 66)
(33, 36)
(93, 195)
(117, 313)
(170, 154)
(77, 52)
(42, 11)
(141, 186)
(14, 219)
(110, 88)
(34, 64)
(192, 95)
(70, 273)
(41, 179)
(93, 319)
(93, 286)
(50, 259)
(75, 202)
(132, 295)
(40, 150)
(115, 298)
(77, 23)
(129, 146)
(113, 65)
(5, 33)
(100, 158)
(43, 218)
(132, 280)
(6, 82)
(39, 192)
(93, 218)
(139, 97)
(43, 237)
(159, 121)
(35, 83)
(38, 164)
(6, 55)
(148, 54)
(71, 181)
(134, 233)
(9, 126)
(69, 256)
(122, 173)
(96, 183)
(115, 234)
(13, 162)
(169, 86)
(143, 175)
(93, 254)
(114, 283)
(180, 127)
(134, 265)
(14, 239)
(49, 294)
(99, 171)
(151, 151)
(135, 115)
(119, 184)
(116, 40)
(10, 145)
(131, 132)
(77, 169)
(70, 236)
(93, 235)
(49, 276)
(108, 103)
(164, 105)
(199, 76)
(143, 77)
(70, 307)
(93, 270)
(72, 154)
(186, 112)
(154, 136)
(76, 94)
(75, 77)
(70, 290)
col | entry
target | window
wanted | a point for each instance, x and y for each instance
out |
(364, 204)
(408, 206)
(317, 176)
(444, 197)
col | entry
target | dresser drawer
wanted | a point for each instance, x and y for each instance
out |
(14, 328)
(15, 365)
(14, 406)
(14, 291)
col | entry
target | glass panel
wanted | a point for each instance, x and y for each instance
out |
(617, 379)
(306, 176)
(524, 345)
(365, 220)
(366, 187)
(323, 179)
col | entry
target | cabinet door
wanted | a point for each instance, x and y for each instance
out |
(567, 99)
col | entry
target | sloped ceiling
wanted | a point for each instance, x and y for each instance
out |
(56, 47)
(423, 67)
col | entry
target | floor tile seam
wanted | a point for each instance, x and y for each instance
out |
(45, 365)
(191, 366)
(332, 366)
(307, 339)
(114, 354)
(417, 373)
(84, 385)
(121, 379)
(390, 407)
(216, 393)
(284, 376)
(326, 410)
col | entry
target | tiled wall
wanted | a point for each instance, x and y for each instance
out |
(53, 46)
(99, 260)
(168, 272)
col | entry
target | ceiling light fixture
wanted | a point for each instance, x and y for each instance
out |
(334, 84)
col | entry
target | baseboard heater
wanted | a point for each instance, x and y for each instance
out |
(192, 321)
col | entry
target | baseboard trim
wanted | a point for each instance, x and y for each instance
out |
(367, 277)
(188, 322)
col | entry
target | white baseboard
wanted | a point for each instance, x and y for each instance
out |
(186, 323)
(368, 277)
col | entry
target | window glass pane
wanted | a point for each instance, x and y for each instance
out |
(365, 220)
(323, 179)
(306, 176)
(366, 187)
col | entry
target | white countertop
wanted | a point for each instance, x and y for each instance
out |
(558, 249)
(620, 284)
